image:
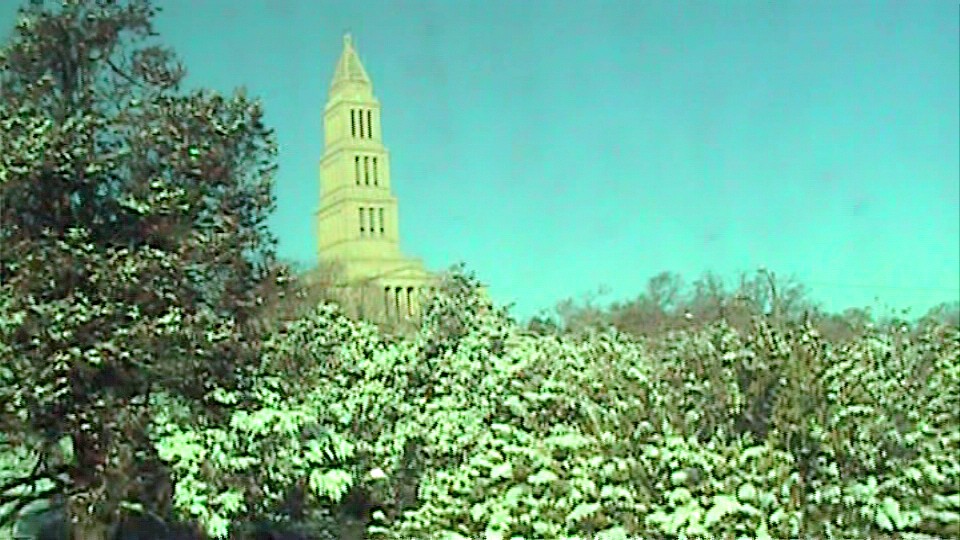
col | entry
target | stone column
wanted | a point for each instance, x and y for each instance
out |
(386, 302)
(403, 307)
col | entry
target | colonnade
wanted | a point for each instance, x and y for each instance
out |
(404, 301)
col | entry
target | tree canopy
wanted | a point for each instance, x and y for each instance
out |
(133, 244)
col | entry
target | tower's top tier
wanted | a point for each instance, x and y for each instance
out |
(350, 79)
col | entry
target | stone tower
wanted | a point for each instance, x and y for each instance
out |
(358, 217)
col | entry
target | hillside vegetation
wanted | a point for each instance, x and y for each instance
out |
(474, 427)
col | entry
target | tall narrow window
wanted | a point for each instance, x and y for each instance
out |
(369, 124)
(366, 170)
(396, 299)
(386, 300)
(356, 168)
(375, 179)
(410, 301)
(381, 221)
(371, 218)
(361, 123)
(353, 122)
(362, 221)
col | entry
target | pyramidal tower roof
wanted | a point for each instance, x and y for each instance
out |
(350, 72)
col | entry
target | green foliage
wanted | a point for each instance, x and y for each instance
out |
(23, 495)
(245, 465)
(722, 490)
(772, 433)
(133, 241)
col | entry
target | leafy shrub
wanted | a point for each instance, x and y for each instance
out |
(474, 428)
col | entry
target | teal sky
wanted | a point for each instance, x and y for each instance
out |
(556, 146)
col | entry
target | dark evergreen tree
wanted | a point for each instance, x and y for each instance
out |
(134, 252)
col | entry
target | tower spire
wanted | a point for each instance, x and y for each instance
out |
(350, 71)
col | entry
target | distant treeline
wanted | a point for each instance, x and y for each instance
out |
(670, 303)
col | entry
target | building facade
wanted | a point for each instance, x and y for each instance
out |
(358, 218)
